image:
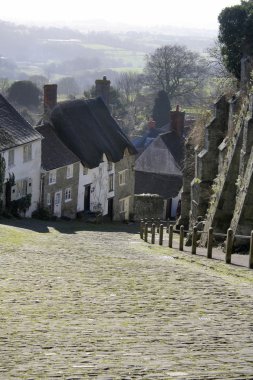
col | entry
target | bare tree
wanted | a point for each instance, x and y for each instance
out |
(130, 85)
(176, 70)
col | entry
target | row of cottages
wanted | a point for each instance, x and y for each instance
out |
(76, 160)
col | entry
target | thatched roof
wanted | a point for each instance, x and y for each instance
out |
(87, 128)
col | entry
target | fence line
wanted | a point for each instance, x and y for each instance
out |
(154, 226)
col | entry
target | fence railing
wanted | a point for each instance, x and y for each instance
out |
(161, 228)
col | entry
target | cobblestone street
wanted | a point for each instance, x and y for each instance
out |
(98, 303)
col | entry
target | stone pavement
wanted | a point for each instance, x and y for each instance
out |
(80, 302)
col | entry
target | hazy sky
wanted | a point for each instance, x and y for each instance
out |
(188, 13)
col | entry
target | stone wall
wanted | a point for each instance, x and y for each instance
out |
(126, 190)
(68, 208)
(148, 206)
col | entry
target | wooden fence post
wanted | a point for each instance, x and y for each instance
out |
(153, 233)
(170, 235)
(146, 232)
(181, 239)
(161, 234)
(229, 246)
(158, 225)
(194, 240)
(210, 243)
(251, 251)
(141, 228)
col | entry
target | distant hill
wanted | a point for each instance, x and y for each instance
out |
(84, 54)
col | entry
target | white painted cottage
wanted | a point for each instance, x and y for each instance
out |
(20, 145)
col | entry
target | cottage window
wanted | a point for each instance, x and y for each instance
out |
(27, 152)
(21, 188)
(11, 157)
(48, 199)
(67, 195)
(111, 182)
(52, 177)
(122, 177)
(69, 171)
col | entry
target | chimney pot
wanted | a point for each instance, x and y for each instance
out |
(50, 97)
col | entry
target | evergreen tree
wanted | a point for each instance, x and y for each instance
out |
(161, 109)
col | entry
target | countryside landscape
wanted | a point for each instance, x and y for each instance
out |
(126, 191)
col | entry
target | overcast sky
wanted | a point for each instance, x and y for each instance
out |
(187, 13)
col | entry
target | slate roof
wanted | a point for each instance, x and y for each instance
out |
(14, 129)
(158, 168)
(55, 154)
(87, 128)
(162, 156)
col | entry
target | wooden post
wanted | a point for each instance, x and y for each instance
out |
(146, 232)
(181, 239)
(194, 240)
(229, 246)
(210, 243)
(161, 234)
(251, 251)
(158, 225)
(141, 228)
(153, 233)
(170, 235)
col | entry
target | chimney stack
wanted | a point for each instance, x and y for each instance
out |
(177, 121)
(50, 97)
(103, 89)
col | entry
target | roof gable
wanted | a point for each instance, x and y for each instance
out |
(14, 129)
(157, 158)
(87, 128)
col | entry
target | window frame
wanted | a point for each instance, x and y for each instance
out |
(122, 177)
(52, 175)
(67, 194)
(27, 152)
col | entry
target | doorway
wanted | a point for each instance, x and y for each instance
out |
(87, 198)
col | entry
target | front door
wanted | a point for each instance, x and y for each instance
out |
(57, 203)
(87, 198)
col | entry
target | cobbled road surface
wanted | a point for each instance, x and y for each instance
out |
(96, 302)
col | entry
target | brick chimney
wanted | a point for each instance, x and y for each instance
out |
(103, 89)
(50, 97)
(177, 121)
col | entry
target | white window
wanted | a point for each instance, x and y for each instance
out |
(48, 199)
(11, 157)
(67, 195)
(21, 188)
(69, 171)
(111, 182)
(27, 152)
(122, 177)
(52, 177)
